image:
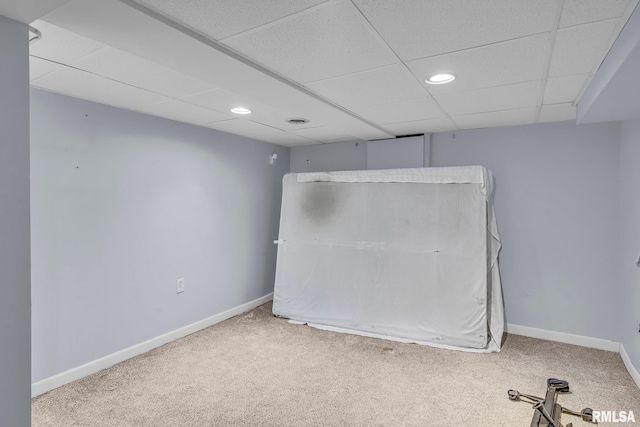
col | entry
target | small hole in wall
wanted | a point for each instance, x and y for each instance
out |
(357, 144)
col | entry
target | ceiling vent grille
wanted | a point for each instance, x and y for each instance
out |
(297, 121)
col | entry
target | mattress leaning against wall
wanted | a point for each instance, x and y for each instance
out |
(403, 254)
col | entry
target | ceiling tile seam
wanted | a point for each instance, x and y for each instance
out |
(181, 99)
(328, 79)
(62, 65)
(106, 47)
(444, 94)
(44, 34)
(303, 129)
(393, 102)
(494, 111)
(412, 121)
(630, 7)
(585, 84)
(275, 22)
(278, 129)
(553, 34)
(476, 47)
(614, 35)
(93, 52)
(584, 24)
(106, 78)
(400, 61)
(48, 72)
(219, 121)
(108, 104)
(226, 50)
(558, 103)
(372, 29)
(289, 16)
(215, 121)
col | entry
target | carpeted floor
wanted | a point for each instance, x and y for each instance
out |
(258, 370)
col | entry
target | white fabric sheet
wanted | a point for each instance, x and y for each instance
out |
(407, 254)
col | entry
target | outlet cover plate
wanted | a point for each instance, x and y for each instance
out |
(180, 286)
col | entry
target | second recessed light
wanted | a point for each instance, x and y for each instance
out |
(240, 110)
(440, 79)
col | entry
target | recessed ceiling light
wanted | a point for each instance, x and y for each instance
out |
(240, 110)
(440, 79)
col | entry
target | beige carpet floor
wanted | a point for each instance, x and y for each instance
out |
(258, 370)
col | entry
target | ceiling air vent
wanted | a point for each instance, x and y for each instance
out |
(297, 121)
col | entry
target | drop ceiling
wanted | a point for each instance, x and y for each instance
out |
(354, 68)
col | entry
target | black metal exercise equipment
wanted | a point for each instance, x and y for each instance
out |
(547, 411)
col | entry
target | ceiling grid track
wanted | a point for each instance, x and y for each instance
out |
(356, 69)
(401, 62)
(547, 66)
(197, 35)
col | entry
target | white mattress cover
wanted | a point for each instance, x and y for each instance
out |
(449, 175)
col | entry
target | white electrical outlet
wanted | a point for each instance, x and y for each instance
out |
(180, 287)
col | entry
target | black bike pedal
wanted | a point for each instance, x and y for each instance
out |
(561, 385)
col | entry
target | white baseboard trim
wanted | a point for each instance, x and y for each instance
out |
(98, 365)
(627, 362)
(599, 343)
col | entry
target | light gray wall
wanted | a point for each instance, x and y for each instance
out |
(397, 153)
(123, 204)
(556, 201)
(630, 239)
(350, 155)
(362, 155)
(15, 333)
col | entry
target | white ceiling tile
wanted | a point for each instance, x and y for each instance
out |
(498, 49)
(223, 18)
(39, 67)
(404, 111)
(418, 29)
(581, 49)
(498, 64)
(80, 84)
(514, 117)
(260, 132)
(564, 89)
(557, 113)
(323, 134)
(382, 85)
(60, 45)
(222, 100)
(327, 41)
(441, 124)
(507, 97)
(124, 67)
(27, 11)
(575, 12)
(183, 112)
